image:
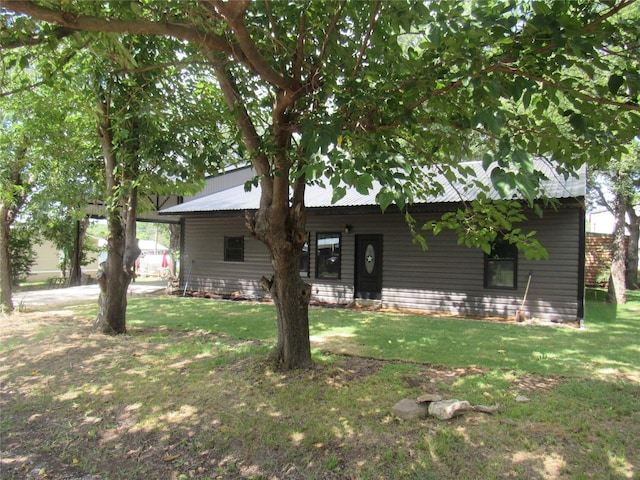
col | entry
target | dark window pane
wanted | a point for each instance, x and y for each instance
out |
(328, 255)
(501, 265)
(234, 249)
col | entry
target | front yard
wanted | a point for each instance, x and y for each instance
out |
(190, 393)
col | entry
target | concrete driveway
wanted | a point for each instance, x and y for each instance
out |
(84, 294)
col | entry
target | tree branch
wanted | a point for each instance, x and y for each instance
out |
(325, 42)
(506, 69)
(580, 95)
(503, 66)
(233, 12)
(603, 199)
(45, 80)
(365, 41)
(272, 24)
(621, 6)
(250, 136)
(33, 40)
(149, 68)
(299, 54)
(114, 25)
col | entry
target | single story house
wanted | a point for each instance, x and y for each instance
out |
(356, 252)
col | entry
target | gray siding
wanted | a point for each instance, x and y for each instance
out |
(204, 254)
(447, 278)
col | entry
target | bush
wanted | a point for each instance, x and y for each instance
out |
(23, 257)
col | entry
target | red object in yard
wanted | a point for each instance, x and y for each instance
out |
(165, 261)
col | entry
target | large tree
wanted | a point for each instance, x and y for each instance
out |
(116, 105)
(351, 92)
(41, 151)
(616, 187)
(152, 142)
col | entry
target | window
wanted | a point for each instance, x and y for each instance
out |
(328, 255)
(305, 260)
(234, 249)
(501, 265)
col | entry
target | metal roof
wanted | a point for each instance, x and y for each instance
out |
(316, 196)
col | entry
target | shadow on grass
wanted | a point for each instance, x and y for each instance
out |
(166, 403)
(607, 347)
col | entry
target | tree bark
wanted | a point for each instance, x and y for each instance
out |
(291, 296)
(280, 222)
(119, 269)
(75, 269)
(6, 288)
(617, 292)
(9, 208)
(632, 248)
(113, 282)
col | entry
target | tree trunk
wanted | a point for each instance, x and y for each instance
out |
(291, 296)
(617, 292)
(75, 269)
(280, 222)
(122, 247)
(113, 281)
(6, 301)
(9, 210)
(119, 270)
(632, 248)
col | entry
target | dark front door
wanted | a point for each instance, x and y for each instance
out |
(369, 267)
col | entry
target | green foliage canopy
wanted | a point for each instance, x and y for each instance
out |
(381, 90)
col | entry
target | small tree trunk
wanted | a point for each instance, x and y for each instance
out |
(113, 282)
(291, 296)
(6, 301)
(617, 292)
(122, 247)
(119, 270)
(75, 268)
(632, 248)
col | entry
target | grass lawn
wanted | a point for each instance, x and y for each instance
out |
(190, 393)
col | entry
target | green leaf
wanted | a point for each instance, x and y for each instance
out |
(523, 161)
(434, 35)
(526, 98)
(578, 122)
(384, 199)
(136, 8)
(588, 69)
(338, 193)
(541, 8)
(364, 183)
(614, 83)
(503, 181)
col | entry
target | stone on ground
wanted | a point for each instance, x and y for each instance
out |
(447, 409)
(409, 409)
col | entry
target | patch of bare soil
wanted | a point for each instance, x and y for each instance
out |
(89, 429)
